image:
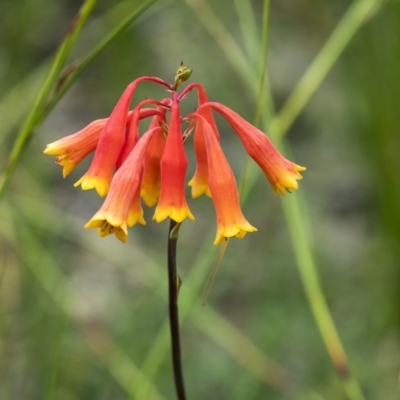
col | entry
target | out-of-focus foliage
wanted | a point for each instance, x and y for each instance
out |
(85, 318)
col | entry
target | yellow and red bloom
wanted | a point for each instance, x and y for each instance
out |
(199, 182)
(173, 165)
(127, 166)
(122, 205)
(71, 150)
(281, 173)
(230, 219)
(151, 181)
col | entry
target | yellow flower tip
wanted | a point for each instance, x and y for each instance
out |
(66, 163)
(94, 223)
(236, 230)
(177, 214)
(150, 197)
(92, 182)
(199, 188)
(136, 217)
(52, 150)
(288, 181)
(121, 235)
(105, 228)
(299, 168)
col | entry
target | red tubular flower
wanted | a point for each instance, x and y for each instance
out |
(111, 141)
(199, 182)
(172, 202)
(281, 173)
(151, 181)
(230, 219)
(72, 149)
(122, 205)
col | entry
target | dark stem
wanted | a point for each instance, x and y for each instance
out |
(173, 311)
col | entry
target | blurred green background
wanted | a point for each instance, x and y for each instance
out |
(85, 318)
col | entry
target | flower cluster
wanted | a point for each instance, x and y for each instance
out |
(128, 166)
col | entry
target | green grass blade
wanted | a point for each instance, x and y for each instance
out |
(248, 28)
(15, 103)
(78, 67)
(345, 30)
(42, 104)
(47, 85)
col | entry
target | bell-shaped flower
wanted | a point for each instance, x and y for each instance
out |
(222, 183)
(199, 182)
(121, 207)
(281, 173)
(172, 202)
(72, 149)
(151, 181)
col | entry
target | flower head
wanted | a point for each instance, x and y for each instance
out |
(127, 166)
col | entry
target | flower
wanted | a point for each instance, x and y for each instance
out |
(151, 181)
(172, 202)
(122, 205)
(127, 167)
(199, 182)
(71, 150)
(281, 173)
(222, 183)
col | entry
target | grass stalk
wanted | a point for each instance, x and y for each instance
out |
(348, 26)
(47, 85)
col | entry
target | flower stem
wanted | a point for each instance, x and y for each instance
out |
(173, 284)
